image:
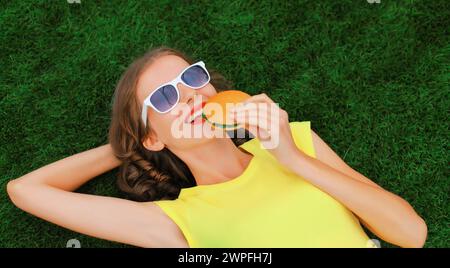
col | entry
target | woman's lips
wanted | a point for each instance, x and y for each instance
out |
(196, 110)
(198, 120)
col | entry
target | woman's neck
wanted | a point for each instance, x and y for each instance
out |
(216, 161)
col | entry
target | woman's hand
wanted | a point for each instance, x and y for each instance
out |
(262, 117)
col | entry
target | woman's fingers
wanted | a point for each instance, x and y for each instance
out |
(259, 114)
(271, 110)
(259, 98)
(258, 124)
(253, 108)
(258, 120)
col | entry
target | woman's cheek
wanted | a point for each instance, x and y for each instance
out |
(160, 123)
(211, 92)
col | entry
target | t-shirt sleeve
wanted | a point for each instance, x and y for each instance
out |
(301, 133)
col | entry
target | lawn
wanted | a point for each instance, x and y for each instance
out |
(373, 79)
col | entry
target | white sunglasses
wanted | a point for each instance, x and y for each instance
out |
(167, 95)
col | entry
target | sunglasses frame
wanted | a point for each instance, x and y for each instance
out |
(173, 83)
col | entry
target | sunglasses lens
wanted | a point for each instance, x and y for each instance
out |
(195, 76)
(164, 98)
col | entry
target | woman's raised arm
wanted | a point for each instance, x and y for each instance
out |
(47, 194)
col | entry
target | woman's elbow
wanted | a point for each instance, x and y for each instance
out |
(422, 233)
(16, 190)
(417, 234)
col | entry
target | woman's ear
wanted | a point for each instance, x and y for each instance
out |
(152, 143)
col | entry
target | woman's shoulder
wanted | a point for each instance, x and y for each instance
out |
(301, 133)
(300, 124)
(301, 129)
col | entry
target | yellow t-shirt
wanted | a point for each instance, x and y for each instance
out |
(266, 206)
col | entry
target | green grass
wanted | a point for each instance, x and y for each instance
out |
(372, 78)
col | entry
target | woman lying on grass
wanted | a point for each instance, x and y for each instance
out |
(212, 191)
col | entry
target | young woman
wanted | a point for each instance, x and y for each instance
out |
(212, 192)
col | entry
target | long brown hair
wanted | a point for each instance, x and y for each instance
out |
(147, 175)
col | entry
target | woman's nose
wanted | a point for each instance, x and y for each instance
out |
(188, 95)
